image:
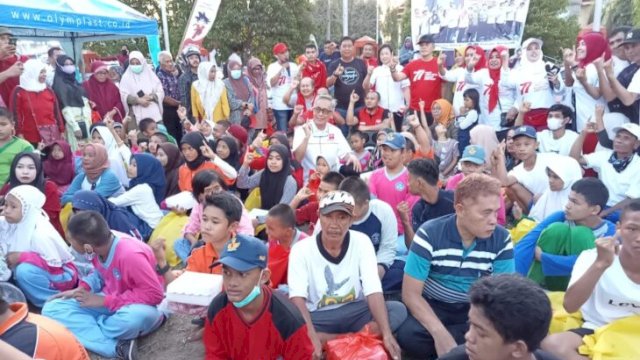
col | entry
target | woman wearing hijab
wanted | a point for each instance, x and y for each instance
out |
(115, 74)
(41, 260)
(474, 60)
(169, 156)
(406, 51)
(260, 160)
(239, 91)
(258, 78)
(34, 105)
(209, 95)
(27, 169)
(103, 93)
(73, 101)
(119, 219)
(276, 184)
(96, 175)
(199, 156)
(442, 112)
(119, 155)
(485, 136)
(563, 172)
(59, 164)
(141, 90)
(227, 149)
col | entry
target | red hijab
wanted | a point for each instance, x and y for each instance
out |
(105, 95)
(482, 61)
(494, 93)
(597, 45)
(59, 171)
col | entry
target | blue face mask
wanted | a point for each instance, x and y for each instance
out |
(255, 292)
(136, 68)
(236, 74)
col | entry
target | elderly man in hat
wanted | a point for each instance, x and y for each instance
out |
(279, 76)
(334, 280)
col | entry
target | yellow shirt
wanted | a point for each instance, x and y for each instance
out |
(221, 112)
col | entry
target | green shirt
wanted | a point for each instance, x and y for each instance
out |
(8, 152)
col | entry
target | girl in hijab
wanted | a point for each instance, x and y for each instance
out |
(442, 112)
(96, 175)
(59, 165)
(276, 184)
(34, 104)
(141, 90)
(119, 153)
(227, 149)
(199, 156)
(258, 79)
(169, 156)
(41, 260)
(209, 95)
(474, 60)
(239, 91)
(27, 169)
(73, 101)
(563, 172)
(104, 95)
(118, 218)
(260, 161)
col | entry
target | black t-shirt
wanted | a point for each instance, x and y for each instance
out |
(423, 211)
(458, 353)
(351, 79)
(632, 111)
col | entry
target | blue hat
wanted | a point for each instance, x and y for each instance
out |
(395, 141)
(525, 130)
(244, 253)
(474, 154)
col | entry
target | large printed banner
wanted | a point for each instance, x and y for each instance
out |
(203, 15)
(455, 23)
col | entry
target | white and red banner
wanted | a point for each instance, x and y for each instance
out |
(202, 17)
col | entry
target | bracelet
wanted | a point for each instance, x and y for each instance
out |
(162, 270)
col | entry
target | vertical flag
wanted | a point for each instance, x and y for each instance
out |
(203, 15)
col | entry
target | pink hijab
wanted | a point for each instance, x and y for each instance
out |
(146, 81)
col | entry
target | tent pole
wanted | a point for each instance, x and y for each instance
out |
(165, 26)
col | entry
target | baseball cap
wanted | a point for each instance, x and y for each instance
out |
(395, 141)
(634, 129)
(279, 48)
(427, 39)
(632, 37)
(244, 253)
(474, 154)
(525, 130)
(530, 41)
(336, 201)
(5, 31)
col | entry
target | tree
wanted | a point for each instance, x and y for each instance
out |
(362, 18)
(390, 27)
(547, 21)
(618, 13)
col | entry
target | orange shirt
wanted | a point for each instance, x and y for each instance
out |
(40, 337)
(202, 259)
(185, 175)
(422, 155)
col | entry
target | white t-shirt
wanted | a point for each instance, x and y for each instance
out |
(535, 180)
(560, 146)
(458, 77)
(634, 86)
(618, 65)
(617, 183)
(284, 83)
(614, 297)
(506, 95)
(325, 284)
(328, 143)
(532, 86)
(391, 96)
(585, 104)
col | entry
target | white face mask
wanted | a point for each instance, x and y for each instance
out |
(554, 123)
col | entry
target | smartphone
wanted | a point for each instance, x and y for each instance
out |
(140, 93)
(552, 69)
(13, 41)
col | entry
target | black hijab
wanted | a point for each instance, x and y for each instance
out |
(65, 86)
(234, 153)
(284, 140)
(272, 184)
(195, 140)
(38, 182)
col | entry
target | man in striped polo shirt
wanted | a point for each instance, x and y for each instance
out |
(447, 256)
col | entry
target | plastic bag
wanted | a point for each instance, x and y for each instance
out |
(170, 229)
(562, 321)
(356, 346)
(616, 341)
(521, 229)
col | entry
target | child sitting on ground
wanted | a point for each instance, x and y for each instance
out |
(357, 140)
(315, 177)
(308, 213)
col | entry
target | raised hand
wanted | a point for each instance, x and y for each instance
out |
(606, 248)
(339, 71)
(442, 59)
(569, 56)
(354, 98)
(295, 83)
(182, 112)
(206, 151)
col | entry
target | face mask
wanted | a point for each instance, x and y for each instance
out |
(554, 123)
(236, 74)
(252, 295)
(69, 69)
(136, 68)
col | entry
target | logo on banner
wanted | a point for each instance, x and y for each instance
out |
(203, 15)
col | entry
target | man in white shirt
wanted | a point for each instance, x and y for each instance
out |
(604, 285)
(52, 56)
(279, 76)
(557, 138)
(334, 280)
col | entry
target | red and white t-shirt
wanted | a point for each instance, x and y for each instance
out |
(425, 82)
(368, 119)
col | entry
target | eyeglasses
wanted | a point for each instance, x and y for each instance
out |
(323, 111)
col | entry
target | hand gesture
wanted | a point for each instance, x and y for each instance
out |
(497, 156)
(471, 64)
(298, 109)
(307, 130)
(599, 62)
(569, 56)
(108, 120)
(599, 112)
(525, 107)
(15, 70)
(353, 160)
(88, 299)
(403, 210)
(179, 210)
(248, 158)
(413, 121)
(393, 63)
(41, 146)
(295, 83)
(304, 193)
(92, 104)
(608, 68)
(133, 136)
(606, 248)
(463, 110)
(442, 59)
(581, 75)
(77, 134)
(159, 248)
(590, 127)
(206, 151)
(421, 104)
(516, 211)
(339, 71)
(370, 69)
(504, 56)
(186, 124)
(182, 112)
(354, 98)
(257, 142)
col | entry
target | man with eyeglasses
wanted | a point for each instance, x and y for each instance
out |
(169, 78)
(319, 138)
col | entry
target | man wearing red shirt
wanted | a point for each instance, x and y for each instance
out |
(369, 55)
(372, 117)
(10, 65)
(423, 75)
(314, 68)
(249, 320)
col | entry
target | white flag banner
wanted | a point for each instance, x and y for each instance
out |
(455, 23)
(202, 17)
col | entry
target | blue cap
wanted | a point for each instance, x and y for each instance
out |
(244, 253)
(395, 141)
(474, 154)
(525, 130)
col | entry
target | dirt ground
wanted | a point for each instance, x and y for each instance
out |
(169, 342)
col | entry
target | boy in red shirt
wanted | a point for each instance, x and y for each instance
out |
(282, 233)
(314, 68)
(249, 321)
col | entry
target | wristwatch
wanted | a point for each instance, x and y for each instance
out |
(162, 270)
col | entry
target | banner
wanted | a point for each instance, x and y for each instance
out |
(203, 15)
(455, 23)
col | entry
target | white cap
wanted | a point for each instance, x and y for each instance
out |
(634, 129)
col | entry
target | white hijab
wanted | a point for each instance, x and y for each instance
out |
(34, 233)
(29, 78)
(118, 161)
(209, 91)
(532, 68)
(569, 170)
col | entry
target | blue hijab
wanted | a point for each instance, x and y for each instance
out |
(119, 219)
(150, 172)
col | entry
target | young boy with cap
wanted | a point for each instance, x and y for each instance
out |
(248, 320)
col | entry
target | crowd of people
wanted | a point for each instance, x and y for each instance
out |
(392, 200)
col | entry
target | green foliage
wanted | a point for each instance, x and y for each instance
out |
(618, 13)
(390, 27)
(362, 18)
(547, 20)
